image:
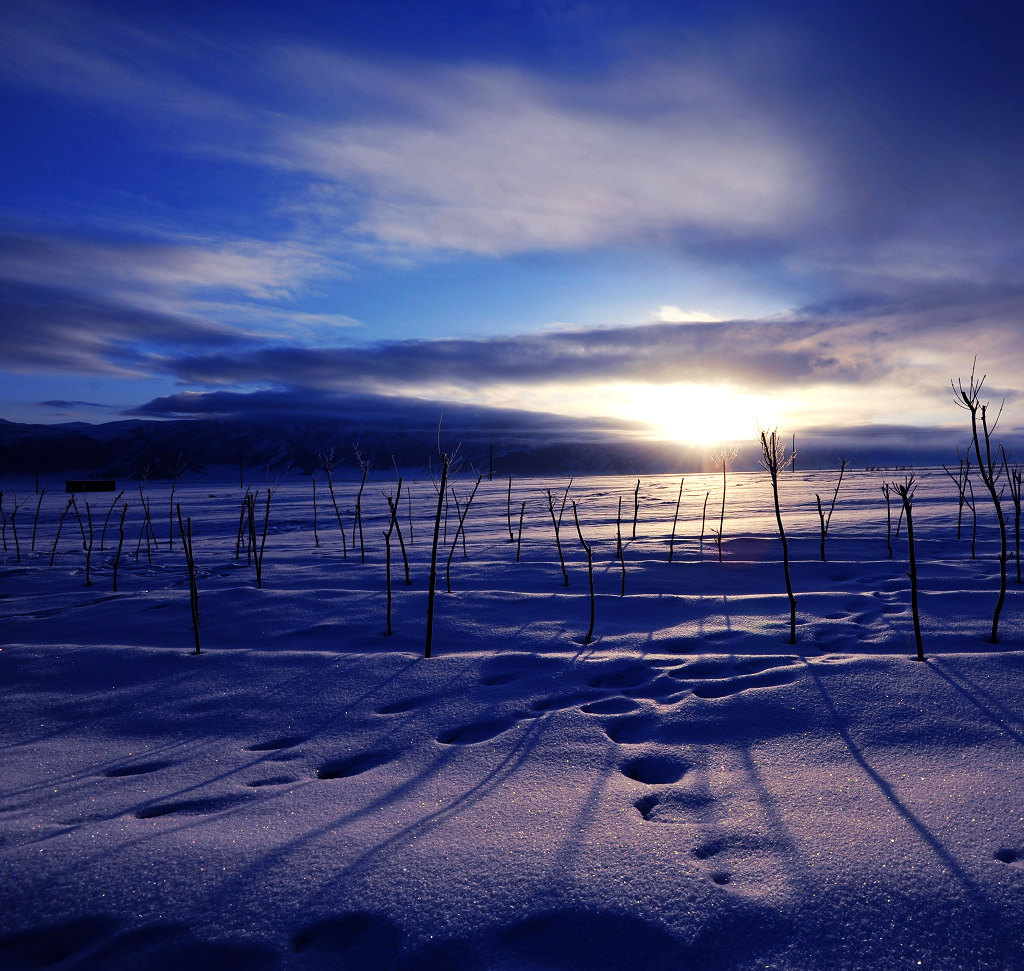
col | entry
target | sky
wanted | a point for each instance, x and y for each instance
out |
(706, 217)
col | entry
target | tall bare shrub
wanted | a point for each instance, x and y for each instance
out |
(905, 490)
(989, 468)
(773, 460)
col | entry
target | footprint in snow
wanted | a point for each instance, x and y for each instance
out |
(654, 770)
(674, 806)
(476, 732)
(139, 768)
(352, 765)
(1007, 855)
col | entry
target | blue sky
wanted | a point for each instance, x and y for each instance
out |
(700, 215)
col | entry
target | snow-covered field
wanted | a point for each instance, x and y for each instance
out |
(688, 790)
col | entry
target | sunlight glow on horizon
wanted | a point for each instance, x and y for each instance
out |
(701, 414)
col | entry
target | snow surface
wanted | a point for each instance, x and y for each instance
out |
(689, 790)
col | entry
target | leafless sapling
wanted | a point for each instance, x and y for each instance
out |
(393, 519)
(636, 506)
(1013, 478)
(703, 520)
(590, 571)
(60, 526)
(721, 457)
(364, 467)
(257, 551)
(193, 587)
(316, 535)
(393, 508)
(243, 531)
(147, 528)
(78, 516)
(88, 546)
(675, 520)
(432, 581)
(905, 490)
(556, 522)
(961, 479)
(328, 462)
(120, 542)
(887, 492)
(773, 460)
(176, 473)
(460, 530)
(3, 519)
(826, 521)
(35, 522)
(519, 540)
(990, 470)
(15, 506)
(508, 511)
(103, 533)
(618, 548)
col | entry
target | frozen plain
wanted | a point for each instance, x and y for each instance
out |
(688, 790)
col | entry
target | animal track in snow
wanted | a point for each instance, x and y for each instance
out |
(674, 806)
(655, 770)
(352, 765)
(140, 768)
(1007, 855)
(708, 849)
(476, 732)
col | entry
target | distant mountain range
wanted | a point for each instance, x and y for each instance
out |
(406, 433)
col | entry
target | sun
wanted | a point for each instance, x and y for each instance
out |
(702, 414)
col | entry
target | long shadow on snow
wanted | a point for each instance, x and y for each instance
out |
(981, 700)
(926, 835)
(508, 765)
